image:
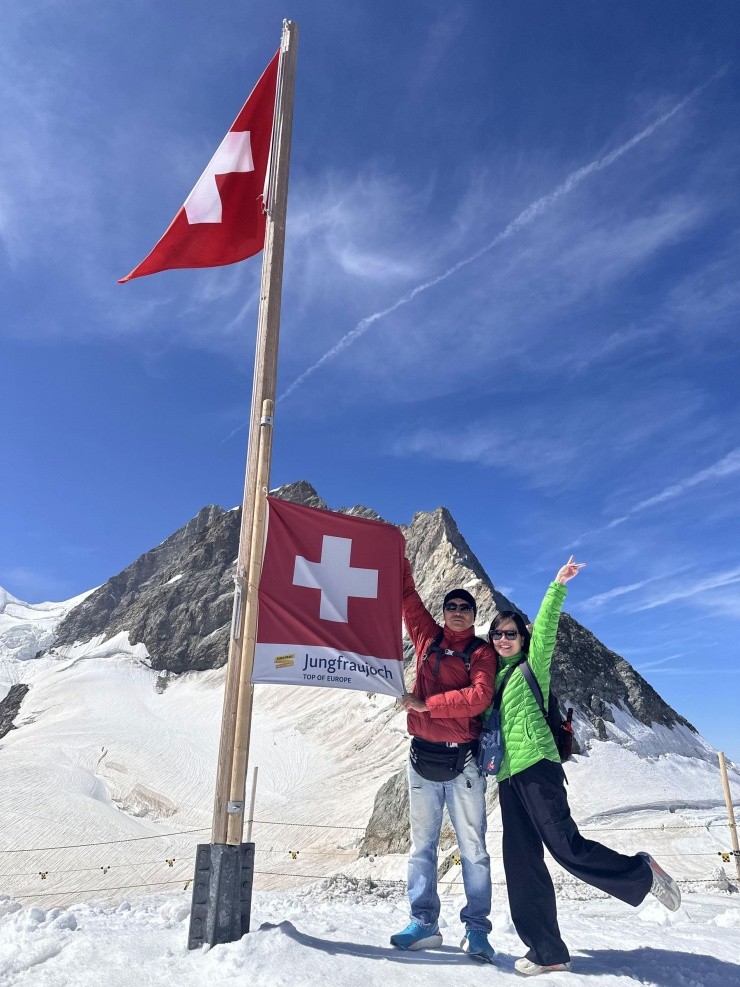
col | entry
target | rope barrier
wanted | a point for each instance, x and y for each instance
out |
(128, 839)
(170, 862)
(61, 892)
(362, 829)
(266, 822)
(104, 867)
(313, 877)
(123, 887)
(292, 852)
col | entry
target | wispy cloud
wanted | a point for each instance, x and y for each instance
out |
(727, 466)
(581, 440)
(687, 590)
(594, 602)
(650, 665)
(522, 220)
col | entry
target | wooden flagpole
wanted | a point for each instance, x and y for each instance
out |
(228, 810)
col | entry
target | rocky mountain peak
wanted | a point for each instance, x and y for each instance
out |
(300, 492)
(442, 560)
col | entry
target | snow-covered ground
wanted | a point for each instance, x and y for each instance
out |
(335, 934)
(107, 787)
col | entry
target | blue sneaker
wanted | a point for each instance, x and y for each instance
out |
(416, 936)
(476, 945)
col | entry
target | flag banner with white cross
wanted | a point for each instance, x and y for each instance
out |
(330, 601)
(223, 219)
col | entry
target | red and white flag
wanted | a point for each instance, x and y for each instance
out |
(330, 601)
(223, 218)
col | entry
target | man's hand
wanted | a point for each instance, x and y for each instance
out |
(412, 702)
(568, 571)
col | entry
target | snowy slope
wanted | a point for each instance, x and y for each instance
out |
(100, 754)
(103, 753)
(27, 628)
(333, 934)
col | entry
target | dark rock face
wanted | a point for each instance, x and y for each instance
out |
(591, 676)
(176, 599)
(383, 834)
(10, 707)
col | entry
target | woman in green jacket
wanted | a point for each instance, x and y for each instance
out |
(534, 804)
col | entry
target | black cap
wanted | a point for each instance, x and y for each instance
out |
(461, 594)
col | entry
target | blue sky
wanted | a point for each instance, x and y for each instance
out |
(511, 288)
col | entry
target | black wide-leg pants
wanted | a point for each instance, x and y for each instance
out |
(535, 814)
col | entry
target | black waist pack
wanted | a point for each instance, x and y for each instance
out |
(441, 762)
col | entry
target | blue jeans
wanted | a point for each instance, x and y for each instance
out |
(465, 797)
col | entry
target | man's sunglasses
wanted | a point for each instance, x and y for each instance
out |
(462, 607)
(509, 635)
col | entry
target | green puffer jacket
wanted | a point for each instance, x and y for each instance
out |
(527, 737)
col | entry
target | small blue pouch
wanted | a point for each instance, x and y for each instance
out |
(491, 740)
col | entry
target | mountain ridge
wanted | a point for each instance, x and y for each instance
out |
(176, 599)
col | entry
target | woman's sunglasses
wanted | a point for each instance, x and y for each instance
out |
(509, 635)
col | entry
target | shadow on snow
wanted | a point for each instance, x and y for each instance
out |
(436, 957)
(662, 967)
(659, 967)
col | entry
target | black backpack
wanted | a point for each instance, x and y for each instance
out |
(561, 729)
(434, 648)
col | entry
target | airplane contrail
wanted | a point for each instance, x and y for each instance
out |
(525, 217)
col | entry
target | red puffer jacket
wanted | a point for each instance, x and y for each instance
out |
(453, 699)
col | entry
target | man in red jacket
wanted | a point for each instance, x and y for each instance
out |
(455, 673)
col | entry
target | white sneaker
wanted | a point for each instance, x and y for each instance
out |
(527, 968)
(664, 887)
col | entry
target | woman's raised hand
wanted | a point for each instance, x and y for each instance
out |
(568, 571)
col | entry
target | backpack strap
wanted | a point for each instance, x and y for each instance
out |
(473, 644)
(531, 680)
(496, 704)
(434, 648)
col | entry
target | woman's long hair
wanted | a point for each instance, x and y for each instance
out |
(517, 618)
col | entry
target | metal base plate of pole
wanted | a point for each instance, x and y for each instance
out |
(222, 894)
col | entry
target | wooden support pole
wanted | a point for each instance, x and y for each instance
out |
(263, 388)
(730, 812)
(246, 689)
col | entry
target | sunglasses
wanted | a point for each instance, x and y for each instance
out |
(509, 635)
(462, 607)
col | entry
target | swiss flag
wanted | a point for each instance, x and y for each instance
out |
(223, 219)
(330, 601)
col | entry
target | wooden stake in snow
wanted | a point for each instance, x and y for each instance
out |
(730, 812)
(250, 817)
